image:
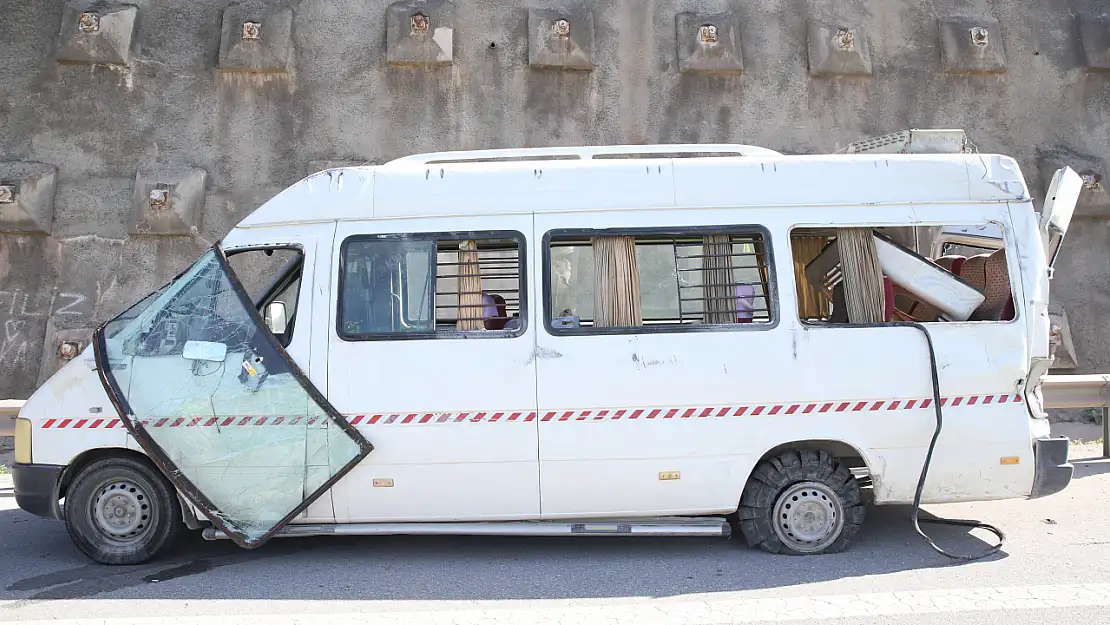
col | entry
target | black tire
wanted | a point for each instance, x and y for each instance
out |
(781, 475)
(122, 511)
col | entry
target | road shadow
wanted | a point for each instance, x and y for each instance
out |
(462, 568)
(1090, 465)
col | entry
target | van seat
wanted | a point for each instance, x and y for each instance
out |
(988, 273)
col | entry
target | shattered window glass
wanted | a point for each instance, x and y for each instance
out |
(210, 396)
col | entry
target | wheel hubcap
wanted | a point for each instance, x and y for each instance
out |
(808, 517)
(121, 511)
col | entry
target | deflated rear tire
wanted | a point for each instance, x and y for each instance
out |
(121, 511)
(801, 502)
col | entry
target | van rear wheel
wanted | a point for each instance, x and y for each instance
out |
(801, 502)
(121, 511)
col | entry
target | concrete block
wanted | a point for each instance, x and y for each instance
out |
(420, 32)
(709, 42)
(255, 39)
(27, 196)
(838, 50)
(1094, 200)
(1060, 339)
(168, 200)
(62, 345)
(972, 45)
(96, 32)
(1094, 42)
(561, 39)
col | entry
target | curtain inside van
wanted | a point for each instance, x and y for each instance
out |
(865, 300)
(812, 303)
(617, 300)
(470, 288)
(719, 292)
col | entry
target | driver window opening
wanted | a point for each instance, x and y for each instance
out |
(272, 280)
(926, 274)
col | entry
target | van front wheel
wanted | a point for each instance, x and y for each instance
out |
(121, 511)
(801, 502)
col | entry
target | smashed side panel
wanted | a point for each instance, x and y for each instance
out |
(1094, 199)
(214, 400)
(709, 42)
(27, 196)
(420, 32)
(95, 32)
(561, 39)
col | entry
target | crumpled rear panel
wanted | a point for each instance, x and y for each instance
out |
(235, 425)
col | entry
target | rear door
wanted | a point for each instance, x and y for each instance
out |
(435, 369)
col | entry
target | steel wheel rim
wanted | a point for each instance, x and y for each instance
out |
(121, 511)
(808, 517)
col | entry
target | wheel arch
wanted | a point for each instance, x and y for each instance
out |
(89, 456)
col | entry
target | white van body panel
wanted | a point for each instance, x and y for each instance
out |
(546, 426)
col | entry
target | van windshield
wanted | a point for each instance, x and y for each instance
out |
(213, 398)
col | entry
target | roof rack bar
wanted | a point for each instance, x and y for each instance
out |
(913, 141)
(584, 153)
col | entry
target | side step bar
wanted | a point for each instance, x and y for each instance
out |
(701, 526)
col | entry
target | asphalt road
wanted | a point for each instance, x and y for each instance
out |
(1055, 568)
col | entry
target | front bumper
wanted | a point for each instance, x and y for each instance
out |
(1053, 471)
(36, 489)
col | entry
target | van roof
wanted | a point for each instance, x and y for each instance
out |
(535, 180)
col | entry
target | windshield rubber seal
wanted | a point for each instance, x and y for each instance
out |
(162, 460)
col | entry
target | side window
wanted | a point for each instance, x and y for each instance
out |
(272, 279)
(431, 285)
(925, 274)
(656, 280)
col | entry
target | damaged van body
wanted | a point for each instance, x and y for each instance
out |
(646, 340)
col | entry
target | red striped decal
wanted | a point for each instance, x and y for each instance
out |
(531, 416)
(443, 418)
(566, 415)
(228, 421)
(689, 413)
(757, 411)
(81, 423)
(278, 421)
(956, 401)
(909, 404)
(774, 410)
(671, 413)
(95, 424)
(809, 408)
(210, 422)
(705, 413)
(426, 418)
(877, 405)
(971, 400)
(49, 422)
(479, 416)
(654, 413)
(462, 416)
(260, 421)
(843, 406)
(548, 416)
(373, 419)
(926, 402)
(113, 423)
(739, 411)
(724, 411)
(988, 399)
(407, 419)
(893, 406)
(65, 423)
(357, 420)
(826, 407)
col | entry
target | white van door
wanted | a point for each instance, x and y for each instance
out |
(443, 387)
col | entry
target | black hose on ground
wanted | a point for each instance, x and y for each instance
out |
(925, 471)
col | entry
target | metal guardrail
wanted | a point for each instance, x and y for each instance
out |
(1060, 391)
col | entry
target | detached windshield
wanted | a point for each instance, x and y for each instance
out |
(210, 395)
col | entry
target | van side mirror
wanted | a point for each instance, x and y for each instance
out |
(275, 317)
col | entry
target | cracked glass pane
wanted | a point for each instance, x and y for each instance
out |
(211, 397)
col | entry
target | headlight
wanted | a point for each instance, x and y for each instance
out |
(23, 441)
